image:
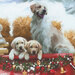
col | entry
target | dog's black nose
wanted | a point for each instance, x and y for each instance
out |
(20, 47)
(34, 52)
(44, 11)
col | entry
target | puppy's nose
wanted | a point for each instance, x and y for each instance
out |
(34, 52)
(20, 47)
(44, 11)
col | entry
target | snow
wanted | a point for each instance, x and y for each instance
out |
(56, 11)
(12, 10)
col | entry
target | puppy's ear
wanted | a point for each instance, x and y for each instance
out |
(13, 44)
(40, 47)
(25, 41)
(46, 10)
(27, 45)
(33, 7)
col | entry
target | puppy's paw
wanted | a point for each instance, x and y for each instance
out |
(21, 56)
(11, 57)
(26, 56)
(39, 57)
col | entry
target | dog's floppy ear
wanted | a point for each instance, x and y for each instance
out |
(13, 44)
(39, 45)
(25, 41)
(27, 45)
(32, 7)
(46, 10)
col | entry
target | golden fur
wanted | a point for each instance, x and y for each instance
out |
(22, 27)
(57, 25)
(6, 29)
(71, 36)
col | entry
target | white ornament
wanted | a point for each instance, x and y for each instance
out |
(32, 68)
(72, 65)
(28, 70)
(13, 63)
(68, 59)
(57, 62)
(33, 65)
(50, 62)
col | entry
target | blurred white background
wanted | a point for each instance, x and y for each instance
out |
(11, 9)
(68, 4)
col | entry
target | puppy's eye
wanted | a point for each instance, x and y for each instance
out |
(22, 42)
(31, 46)
(39, 6)
(36, 46)
(16, 43)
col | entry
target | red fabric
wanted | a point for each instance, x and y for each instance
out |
(69, 70)
(44, 55)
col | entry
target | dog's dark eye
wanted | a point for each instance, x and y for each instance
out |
(39, 6)
(22, 42)
(16, 43)
(36, 46)
(31, 46)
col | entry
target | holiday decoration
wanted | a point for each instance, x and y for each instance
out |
(52, 71)
(42, 68)
(38, 62)
(62, 70)
(14, 66)
(24, 72)
(48, 65)
(74, 58)
(72, 66)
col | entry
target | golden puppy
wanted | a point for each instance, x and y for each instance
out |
(18, 45)
(33, 47)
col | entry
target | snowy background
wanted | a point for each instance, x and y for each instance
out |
(68, 4)
(11, 9)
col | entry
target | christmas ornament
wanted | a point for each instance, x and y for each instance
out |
(62, 70)
(14, 66)
(61, 63)
(32, 68)
(24, 72)
(38, 62)
(28, 70)
(43, 65)
(42, 68)
(33, 65)
(74, 58)
(52, 71)
(13, 63)
(49, 66)
(72, 66)
(37, 67)
(50, 62)
(20, 67)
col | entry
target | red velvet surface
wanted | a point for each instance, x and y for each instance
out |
(69, 70)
